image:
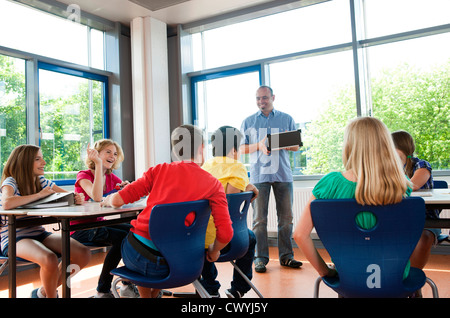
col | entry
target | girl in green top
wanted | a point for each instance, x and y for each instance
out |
(373, 175)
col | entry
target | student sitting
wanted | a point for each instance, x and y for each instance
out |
(179, 181)
(23, 182)
(94, 182)
(419, 171)
(373, 175)
(232, 174)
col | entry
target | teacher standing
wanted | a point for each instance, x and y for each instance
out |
(270, 170)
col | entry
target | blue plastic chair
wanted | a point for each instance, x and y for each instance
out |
(371, 263)
(182, 246)
(238, 204)
(441, 184)
(4, 261)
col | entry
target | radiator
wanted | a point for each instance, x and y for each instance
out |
(301, 197)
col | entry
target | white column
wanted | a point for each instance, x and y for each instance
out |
(150, 93)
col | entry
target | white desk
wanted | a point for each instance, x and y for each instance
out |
(63, 215)
(435, 199)
(88, 209)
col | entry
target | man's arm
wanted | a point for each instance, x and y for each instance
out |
(250, 148)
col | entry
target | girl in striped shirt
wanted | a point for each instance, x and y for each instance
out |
(23, 182)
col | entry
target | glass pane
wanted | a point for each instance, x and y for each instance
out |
(97, 47)
(319, 93)
(410, 84)
(37, 32)
(67, 121)
(384, 17)
(297, 30)
(13, 128)
(226, 102)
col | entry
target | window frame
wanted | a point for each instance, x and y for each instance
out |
(32, 64)
(358, 46)
(216, 75)
(85, 75)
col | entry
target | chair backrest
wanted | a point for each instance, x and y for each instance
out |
(238, 204)
(370, 263)
(182, 246)
(440, 184)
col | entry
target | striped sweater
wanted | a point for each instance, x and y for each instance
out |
(30, 231)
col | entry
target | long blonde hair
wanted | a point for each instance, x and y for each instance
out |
(101, 144)
(370, 154)
(20, 166)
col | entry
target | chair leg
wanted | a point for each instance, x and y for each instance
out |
(433, 288)
(3, 267)
(316, 287)
(246, 279)
(119, 279)
(200, 289)
(114, 286)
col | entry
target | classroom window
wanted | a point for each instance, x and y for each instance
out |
(319, 93)
(53, 90)
(410, 85)
(383, 58)
(385, 17)
(71, 116)
(222, 101)
(34, 31)
(292, 31)
(13, 127)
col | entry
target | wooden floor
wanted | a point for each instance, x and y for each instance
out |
(277, 282)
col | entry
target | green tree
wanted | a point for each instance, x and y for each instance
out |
(403, 98)
(418, 102)
(13, 129)
(62, 117)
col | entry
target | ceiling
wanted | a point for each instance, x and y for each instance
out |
(172, 12)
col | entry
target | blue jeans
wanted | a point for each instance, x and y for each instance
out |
(137, 262)
(283, 192)
(109, 235)
(209, 272)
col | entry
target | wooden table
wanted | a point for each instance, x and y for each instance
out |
(64, 215)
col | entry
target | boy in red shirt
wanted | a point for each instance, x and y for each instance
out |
(179, 181)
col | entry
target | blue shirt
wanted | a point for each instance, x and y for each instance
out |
(419, 164)
(274, 167)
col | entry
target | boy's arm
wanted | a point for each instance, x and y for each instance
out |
(249, 187)
(113, 200)
(222, 221)
(214, 249)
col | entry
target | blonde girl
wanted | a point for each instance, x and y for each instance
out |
(95, 182)
(23, 182)
(373, 175)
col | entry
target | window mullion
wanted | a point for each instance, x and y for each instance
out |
(32, 101)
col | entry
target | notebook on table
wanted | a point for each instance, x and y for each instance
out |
(54, 200)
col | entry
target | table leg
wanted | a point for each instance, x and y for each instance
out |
(12, 256)
(65, 255)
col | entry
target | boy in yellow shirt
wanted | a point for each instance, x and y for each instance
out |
(233, 175)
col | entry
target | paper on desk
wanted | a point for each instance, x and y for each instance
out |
(421, 194)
